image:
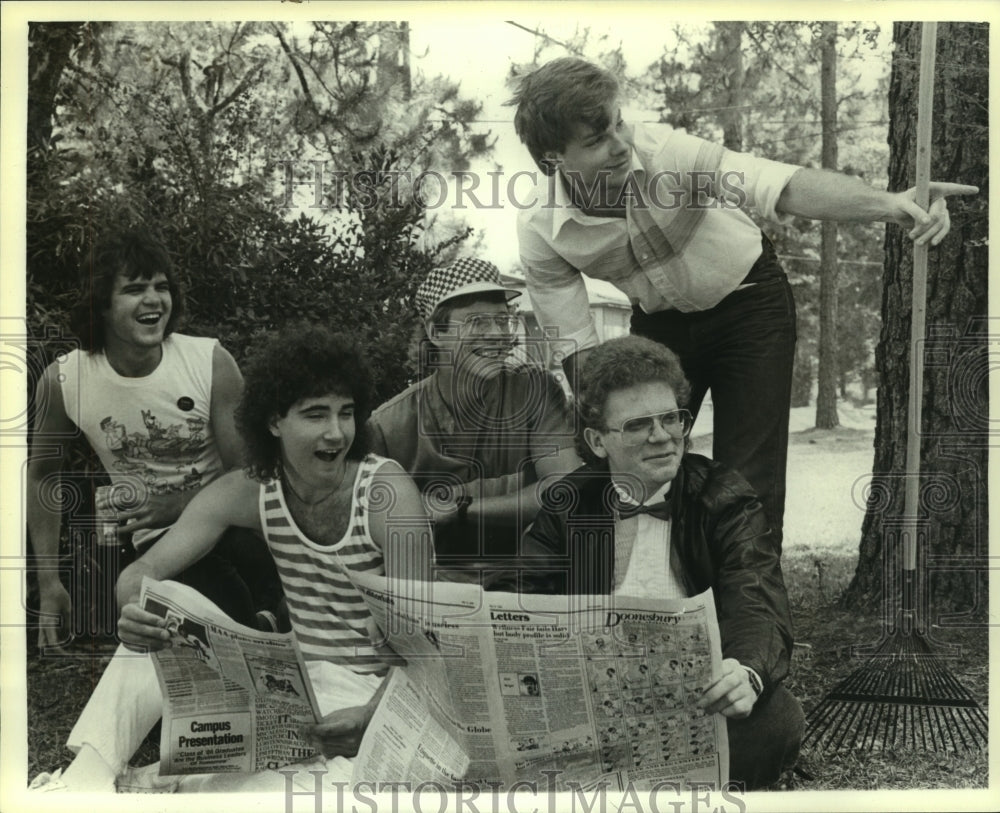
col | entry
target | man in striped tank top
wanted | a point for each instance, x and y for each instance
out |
(326, 506)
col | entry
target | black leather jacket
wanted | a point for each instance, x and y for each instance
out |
(719, 537)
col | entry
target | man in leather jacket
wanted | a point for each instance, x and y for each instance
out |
(645, 518)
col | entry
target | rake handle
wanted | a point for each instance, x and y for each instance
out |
(925, 108)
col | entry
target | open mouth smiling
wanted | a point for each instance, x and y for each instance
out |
(149, 318)
(497, 350)
(327, 455)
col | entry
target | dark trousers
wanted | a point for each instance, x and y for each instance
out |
(764, 744)
(238, 575)
(742, 350)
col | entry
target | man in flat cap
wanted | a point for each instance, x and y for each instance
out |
(478, 434)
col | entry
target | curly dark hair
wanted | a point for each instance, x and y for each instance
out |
(134, 252)
(553, 99)
(301, 361)
(616, 365)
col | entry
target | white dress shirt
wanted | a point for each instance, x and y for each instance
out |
(642, 554)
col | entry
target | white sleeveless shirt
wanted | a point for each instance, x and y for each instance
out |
(153, 434)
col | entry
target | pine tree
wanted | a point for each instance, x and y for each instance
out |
(954, 434)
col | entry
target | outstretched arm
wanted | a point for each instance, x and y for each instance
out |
(824, 195)
(44, 476)
(229, 501)
(548, 469)
(502, 500)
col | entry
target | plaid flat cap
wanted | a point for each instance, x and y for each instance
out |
(465, 276)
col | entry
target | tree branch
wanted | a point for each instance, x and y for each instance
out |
(242, 86)
(183, 63)
(305, 86)
(760, 47)
(297, 68)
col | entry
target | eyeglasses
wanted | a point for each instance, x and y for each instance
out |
(636, 431)
(481, 324)
(485, 324)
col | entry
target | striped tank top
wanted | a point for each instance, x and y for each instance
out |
(327, 612)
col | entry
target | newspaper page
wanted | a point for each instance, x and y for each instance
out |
(602, 688)
(440, 714)
(233, 697)
(569, 690)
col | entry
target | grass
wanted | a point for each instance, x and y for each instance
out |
(819, 559)
(825, 635)
(58, 689)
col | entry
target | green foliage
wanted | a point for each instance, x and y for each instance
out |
(182, 126)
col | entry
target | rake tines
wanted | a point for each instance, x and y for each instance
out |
(902, 697)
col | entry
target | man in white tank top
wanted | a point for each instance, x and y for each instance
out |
(157, 408)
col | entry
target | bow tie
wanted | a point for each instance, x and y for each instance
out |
(660, 510)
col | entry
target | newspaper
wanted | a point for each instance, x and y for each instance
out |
(566, 691)
(233, 697)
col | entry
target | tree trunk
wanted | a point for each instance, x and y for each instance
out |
(826, 394)
(802, 378)
(405, 78)
(952, 553)
(731, 114)
(49, 49)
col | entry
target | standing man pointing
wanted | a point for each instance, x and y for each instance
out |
(658, 213)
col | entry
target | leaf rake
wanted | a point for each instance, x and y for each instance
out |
(903, 696)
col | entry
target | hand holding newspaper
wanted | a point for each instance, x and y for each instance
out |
(234, 698)
(566, 691)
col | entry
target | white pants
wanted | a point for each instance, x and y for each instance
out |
(128, 697)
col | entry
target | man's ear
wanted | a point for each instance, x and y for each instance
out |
(272, 426)
(595, 442)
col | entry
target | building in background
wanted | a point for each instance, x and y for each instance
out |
(610, 308)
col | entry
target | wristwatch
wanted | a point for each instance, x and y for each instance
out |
(462, 505)
(755, 683)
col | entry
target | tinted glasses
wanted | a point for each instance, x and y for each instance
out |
(490, 324)
(636, 431)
